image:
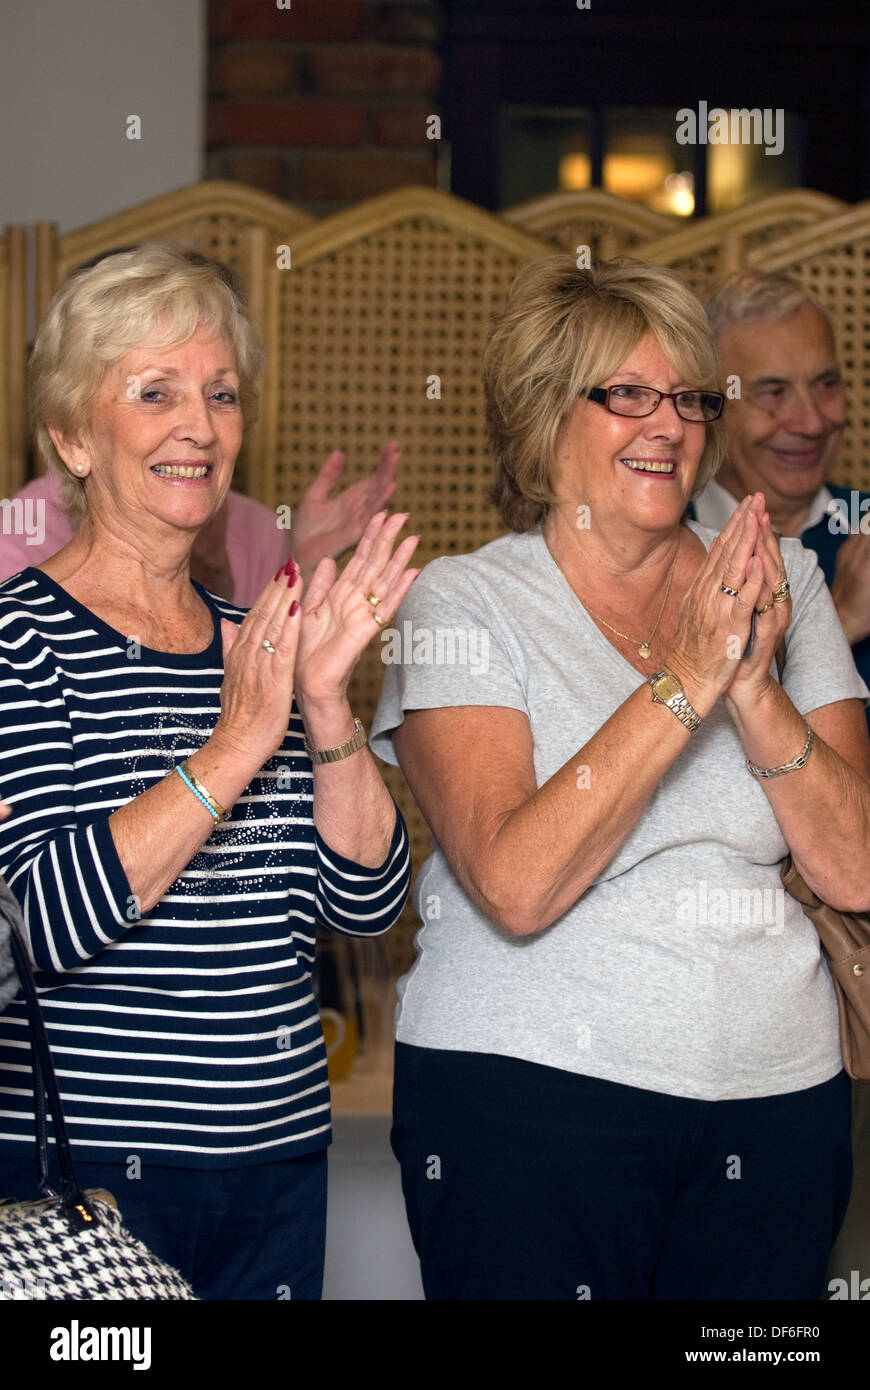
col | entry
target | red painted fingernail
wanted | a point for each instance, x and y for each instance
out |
(291, 578)
(278, 574)
(294, 607)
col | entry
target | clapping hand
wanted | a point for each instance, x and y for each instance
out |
(752, 678)
(716, 622)
(339, 612)
(328, 526)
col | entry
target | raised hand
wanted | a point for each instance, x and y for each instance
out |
(339, 620)
(328, 526)
(851, 587)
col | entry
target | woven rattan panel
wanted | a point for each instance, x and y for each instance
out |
(608, 225)
(702, 270)
(5, 399)
(603, 239)
(708, 250)
(361, 332)
(220, 235)
(13, 361)
(839, 273)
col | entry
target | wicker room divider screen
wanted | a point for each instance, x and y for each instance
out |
(377, 328)
(705, 251)
(609, 226)
(13, 360)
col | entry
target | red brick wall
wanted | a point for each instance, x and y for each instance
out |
(326, 102)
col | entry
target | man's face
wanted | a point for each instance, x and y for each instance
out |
(784, 431)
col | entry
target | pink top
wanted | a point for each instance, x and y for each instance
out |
(29, 533)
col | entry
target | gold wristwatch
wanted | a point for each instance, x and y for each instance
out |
(667, 690)
(342, 750)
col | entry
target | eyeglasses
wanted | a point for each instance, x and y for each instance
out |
(643, 400)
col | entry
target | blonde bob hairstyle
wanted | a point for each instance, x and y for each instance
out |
(564, 331)
(152, 293)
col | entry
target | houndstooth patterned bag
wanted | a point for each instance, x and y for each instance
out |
(42, 1258)
(71, 1244)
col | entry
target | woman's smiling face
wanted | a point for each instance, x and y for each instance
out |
(603, 460)
(164, 435)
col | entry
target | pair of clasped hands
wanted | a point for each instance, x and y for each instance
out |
(308, 643)
(745, 556)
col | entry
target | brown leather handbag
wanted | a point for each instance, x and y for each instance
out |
(845, 938)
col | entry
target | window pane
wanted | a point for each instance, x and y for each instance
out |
(543, 149)
(643, 161)
(742, 172)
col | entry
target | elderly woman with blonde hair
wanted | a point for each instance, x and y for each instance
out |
(618, 1073)
(190, 794)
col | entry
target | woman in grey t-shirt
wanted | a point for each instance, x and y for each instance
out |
(618, 1072)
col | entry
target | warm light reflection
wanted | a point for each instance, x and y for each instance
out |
(648, 178)
(729, 175)
(575, 171)
(677, 195)
(635, 175)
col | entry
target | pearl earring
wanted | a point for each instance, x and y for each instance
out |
(78, 468)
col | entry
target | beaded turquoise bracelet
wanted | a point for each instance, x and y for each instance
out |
(201, 793)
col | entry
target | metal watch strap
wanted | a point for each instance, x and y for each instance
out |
(678, 703)
(343, 750)
(684, 712)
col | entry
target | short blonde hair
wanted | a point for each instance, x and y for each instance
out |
(103, 310)
(564, 331)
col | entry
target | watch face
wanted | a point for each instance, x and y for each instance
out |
(665, 688)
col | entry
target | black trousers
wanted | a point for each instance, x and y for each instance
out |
(526, 1182)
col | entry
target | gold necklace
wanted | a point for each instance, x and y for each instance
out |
(644, 649)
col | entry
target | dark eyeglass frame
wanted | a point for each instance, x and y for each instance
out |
(601, 396)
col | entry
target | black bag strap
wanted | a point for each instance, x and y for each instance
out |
(77, 1210)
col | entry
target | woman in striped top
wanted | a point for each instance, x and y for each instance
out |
(176, 834)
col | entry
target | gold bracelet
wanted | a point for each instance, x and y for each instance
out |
(202, 793)
(797, 762)
(357, 740)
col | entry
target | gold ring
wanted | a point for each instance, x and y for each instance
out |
(373, 600)
(732, 592)
(766, 609)
(267, 646)
(378, 620)
(781, 592)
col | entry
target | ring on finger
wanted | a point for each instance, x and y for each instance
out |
(378, 619)
(373, 600)
(766, 609)
(733, 593)
(267, 646)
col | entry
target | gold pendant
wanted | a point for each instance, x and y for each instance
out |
(644, 650)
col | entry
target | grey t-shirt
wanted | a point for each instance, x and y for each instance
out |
(684, 968)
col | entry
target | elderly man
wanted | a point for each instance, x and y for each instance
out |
(783, 433)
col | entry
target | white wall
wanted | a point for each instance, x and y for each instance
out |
(71, 72)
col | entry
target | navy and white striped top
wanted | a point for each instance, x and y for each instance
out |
(189, 1035)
